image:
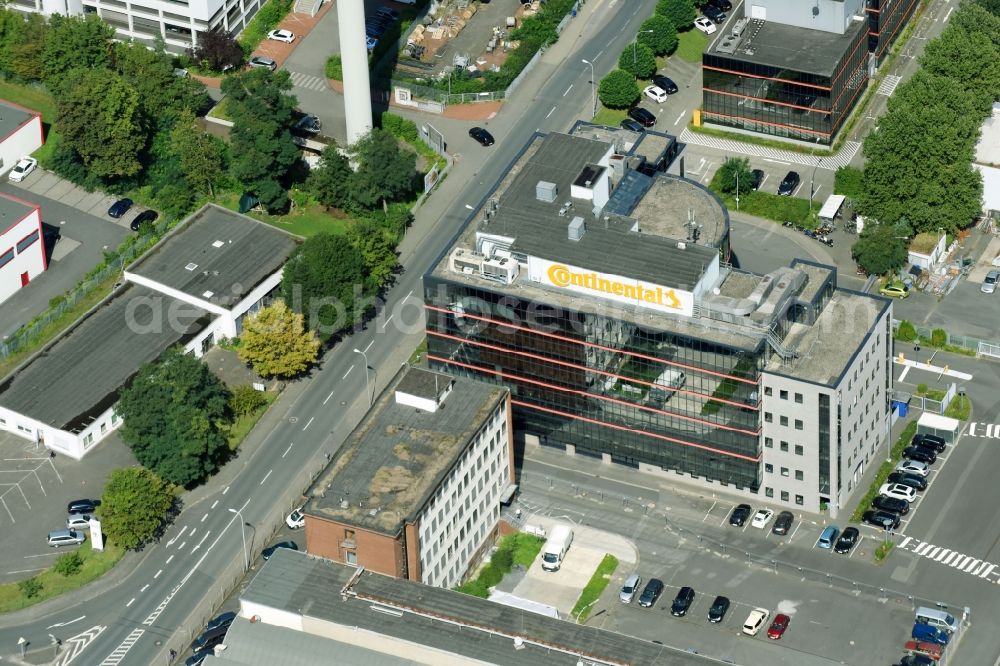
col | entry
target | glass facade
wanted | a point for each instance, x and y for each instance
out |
(823, 417)
(605, 385)
(783, 102)
(886, 19)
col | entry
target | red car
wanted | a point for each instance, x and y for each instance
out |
(778, 626)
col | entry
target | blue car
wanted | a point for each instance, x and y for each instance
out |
(828, 537)
(371, 43)
(925, 632)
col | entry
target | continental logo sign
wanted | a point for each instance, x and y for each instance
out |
(614, 287)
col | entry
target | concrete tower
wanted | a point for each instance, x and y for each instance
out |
(354, 55)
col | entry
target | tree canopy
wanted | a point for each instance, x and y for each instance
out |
(217, 51)
(276, 343)
(386, 172)
(881, 248)
(680, 12)
(378, 248)
(735, 170)
(330, 182)
(658, 33)
(618, 90)
(638, 60)
(135, 507)
(200, 154)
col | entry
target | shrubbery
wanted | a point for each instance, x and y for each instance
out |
(264, 21)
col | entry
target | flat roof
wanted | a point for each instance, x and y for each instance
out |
(442, 619)
(789, 47)
(216, 255)
(988, 146)
(397, 456)
(12, 116)
(673, 203)
(12, 211)
(77, 377)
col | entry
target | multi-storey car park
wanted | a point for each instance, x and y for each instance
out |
(600, 297)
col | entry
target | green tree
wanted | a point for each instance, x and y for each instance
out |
(26, 46)
(199, 153)
(72, 43)
(68, 564)
(261, 144)
(638, 60)
(326, 279)
(659, 34)
(100, 118)
(135, 506)
(217, 51)
(906, 331)
(680, 12)
(848, 181)
(330, 182)
(378, 250)
(163, 94)
(992, 6)
(30, 587)
(173, 410)
(618, 90)
(880, 249)
(386, 172)
(966, 54)
(733, 170)
(276, 343)
(245, 400)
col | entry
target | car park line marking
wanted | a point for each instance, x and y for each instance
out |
(551, 111)
(902, 375)
(766, 176)
(265, 477)
(306, 426)
(709, 512)
(157, 574)
(797, 526)
(179, 535)
(857, 546)
(567, 90)
(345, 375)
(286, 451)
(948, 15)
(130, 602)
(680, 117)
(328, 398)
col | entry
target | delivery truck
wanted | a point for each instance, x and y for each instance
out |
(555, 548)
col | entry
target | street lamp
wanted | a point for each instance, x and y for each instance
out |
(812, 178)
(593, 94)
(636, 42)
(246, 555)
(368, 391)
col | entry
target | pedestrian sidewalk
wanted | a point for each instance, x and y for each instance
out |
(984, 264)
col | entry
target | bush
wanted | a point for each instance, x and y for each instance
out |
(334, 68)
(30, 587)
(847, 181)
(265, 20)
(245, 400)
(399, 127)
(680, 12)
(490, 575)
(883, 550)
(68, 564)
(659, 34)
(618, 90)
(503, 558)
(921, 389)
(939, 337)
(906, 331)
(960, 408)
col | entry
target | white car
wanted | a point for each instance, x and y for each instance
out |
(655, 93)
(990, 283)
(756, 620)
(705, 25)
(296, 519)
(24, 166)
(898, 491)
(78, 521)
(286, 36)
(913, 467)
(762, 518)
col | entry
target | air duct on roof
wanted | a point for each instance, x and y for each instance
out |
(577, 227)
(546, 191)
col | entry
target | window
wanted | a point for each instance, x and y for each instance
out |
(769, 468)
(798, 449)
(784, 446)
(768, 418)
(784, 471)
(351, 557)
(798, 475)
(783, 395)
(800, 500)
(768, 442)
(784, 495)
(783, 420)
(798, 398)
(798, 424)
(769, 492)
(348, 535)
(27, 241)
(767, 390)
(6, 257)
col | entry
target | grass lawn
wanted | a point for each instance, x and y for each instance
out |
(691, 45)
(594, 588)
(610, 117)
(36, 99)
(419, 352)
(95, 565)
(243, 425)
(306, 221)
(514, 549)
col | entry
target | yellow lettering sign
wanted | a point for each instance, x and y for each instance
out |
(563, 276)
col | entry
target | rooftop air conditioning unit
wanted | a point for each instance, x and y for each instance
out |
(500, 270)
(465, 261)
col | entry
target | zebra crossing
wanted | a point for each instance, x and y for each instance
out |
(307, 81)
(888, 85)
(951, 558)
(72, 647)
(833, 162)
(116, 657)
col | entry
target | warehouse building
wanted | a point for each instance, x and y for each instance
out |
(22, 245)
(623, 335)
(415, 491)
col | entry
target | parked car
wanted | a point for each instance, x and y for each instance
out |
(920, 454)
(788, 184)
(778, 626)
(739, 516)
(931, 634)
(210, 637)
(761, 518)
(783, 523)
(642, 116)
(723, 5)
(386, 11)
(630, 124)
(222, 620)
(296, 519)
(650, 593)
(682, 602)
(286, 36)
(120, 207)
(913, 467)
(848, 539)
(902, 507)
(756, 619)
(81, 506)
(898, 490)
(268, 553)
(629, 589)
(885, 520)
(371, 42)
(24, 166)
(482, 136)
(309, 123)
(894, 291)
(916, 660)
(913, 480)
(666, 83)
(655, 93)
(65, 538)
(264, 62)
(989, 282)
(757, 179)
(714, 13)
(145, 216)
(932, 442)
(718, 610)
(705, 25)
(78, 521)
(198, 658)
(828, 537)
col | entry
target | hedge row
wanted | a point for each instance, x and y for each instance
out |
(885, 470)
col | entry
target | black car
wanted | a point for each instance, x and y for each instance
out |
(209, 638)
(713, 13)
(81, 506)
(666, 83)
(718, 609)
(267, 553)
(740, 514)
(916, 660)
(642, 116)
(757, 177)
(198, 658)
(223, 620)
(651, 592)
(783, 523)
(907, 479)
(788, 184)
(120, 207)
(883, 519)
(630, 124)
(482, 136)
(385, 11)
(848, 539)
(932, 442)
(893, 504)
(723, 5)
(920, 454)
(682, 602)
(310, 124)
(145, 216)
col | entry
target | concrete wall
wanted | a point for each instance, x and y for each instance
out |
(30, 260)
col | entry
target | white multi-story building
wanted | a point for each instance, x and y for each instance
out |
(415, 491)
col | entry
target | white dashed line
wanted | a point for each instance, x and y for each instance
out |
(306, 426)
(265, 477)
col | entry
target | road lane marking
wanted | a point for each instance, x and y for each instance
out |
(680, 117)
(944, 553)
(387, 321)
(63, 624)
(329, 396)
(195, 549)
(369, 346)
(954, 556)
(226, 490)
(183, 543)
(144, 587)
(265, 477)
(19, 571)
(130, 602)
(922, 548)
(551, 111)
(306, 426)
(344, 377)
(168, 559)
(179, 535)
(157, 574)
(214, 504)
(568, 89)
(905, 541)
(986, 571)
(286, 451)
(204, 517)
(594, 59)
(119, 653)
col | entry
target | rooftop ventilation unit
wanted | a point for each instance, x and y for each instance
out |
(546, 191)
(740, 26)
(465, 261)
(192, 266)
(500, 270)
(565, 208)
(577, 228)
(217, 244)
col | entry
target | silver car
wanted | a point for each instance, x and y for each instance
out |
(990, 283)
(78, 521)
(913, 467)
(630, 589)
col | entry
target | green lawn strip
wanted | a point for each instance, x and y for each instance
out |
(519, 548)
(691, 45)
(960, 408)
(883, 550)
(242, 426)
(769, 206)
(609, 117)
(306, 221)
(594, 588)
(419, 353)
(884, 470)
(95, 565)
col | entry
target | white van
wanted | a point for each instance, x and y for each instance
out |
(937, 618)
(556, 547)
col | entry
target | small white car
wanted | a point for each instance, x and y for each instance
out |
(286, 36)
(762, 518)
(78, 521)
(655, 93)
(913, 467)
(990, 283)
(705, 25)
(296, 519)
(630, 589)
(756, 620)
(24, 166)
(898, 491)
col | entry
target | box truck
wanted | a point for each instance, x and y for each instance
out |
(556, 547)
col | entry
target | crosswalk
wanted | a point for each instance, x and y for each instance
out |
(954, 559)
(116, 657)
(888, 85)
(307, 81)
(833, 162)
